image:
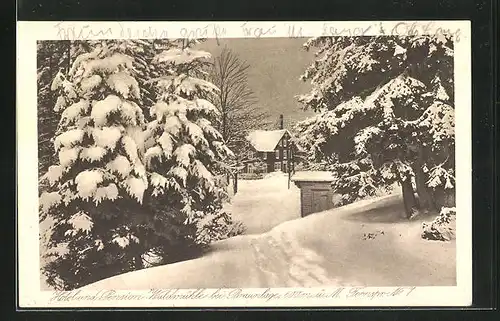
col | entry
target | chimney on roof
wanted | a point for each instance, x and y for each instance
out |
(281, 121)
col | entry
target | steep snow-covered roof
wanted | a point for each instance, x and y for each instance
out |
(266, 140)
(312, 176)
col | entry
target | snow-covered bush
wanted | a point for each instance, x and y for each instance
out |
(260, 167)
(250, 176)
(443, 227)
(218, 226)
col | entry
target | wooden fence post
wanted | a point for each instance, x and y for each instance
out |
(235, 183)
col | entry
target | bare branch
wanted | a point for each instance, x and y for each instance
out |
(236, 101)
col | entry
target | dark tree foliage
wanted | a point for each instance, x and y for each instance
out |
(385, 113)
(123, 190)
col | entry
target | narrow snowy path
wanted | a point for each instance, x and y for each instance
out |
(324, 249)
(265, 203)
(280, 260)
(284, 263)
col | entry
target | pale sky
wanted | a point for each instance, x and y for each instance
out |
(275, 67)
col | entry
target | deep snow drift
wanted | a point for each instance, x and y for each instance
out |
(365, 243)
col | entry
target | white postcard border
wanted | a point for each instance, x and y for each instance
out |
(29, 293)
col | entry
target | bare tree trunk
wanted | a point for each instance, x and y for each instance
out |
(224, 127)
(235, 184)
(409, 200)
(444, 197)
(425, 194)
(426, 201)
(138, 262)
(68, 50)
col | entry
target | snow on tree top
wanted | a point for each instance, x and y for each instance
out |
(312, 176)
(184, 84)
(266, 140)
(108, 64)
(181, 56)
(396, 88)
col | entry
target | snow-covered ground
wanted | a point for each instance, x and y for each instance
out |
(365, 243)
(262, 204)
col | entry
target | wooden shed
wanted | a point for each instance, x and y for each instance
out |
(316, 193)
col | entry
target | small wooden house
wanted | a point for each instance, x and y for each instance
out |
(316, 194)
(271, 151)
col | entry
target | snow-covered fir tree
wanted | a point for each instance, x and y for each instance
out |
(129, 187)
(51, 57)
(385, 113)
(183, 152)
(97, 186)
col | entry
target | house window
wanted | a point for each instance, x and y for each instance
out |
(277, 166)
(277, 156)
(250, 168)
(285, 154)
(264, 155)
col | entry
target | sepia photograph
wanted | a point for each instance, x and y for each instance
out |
(326, 161)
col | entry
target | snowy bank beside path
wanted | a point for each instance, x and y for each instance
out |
(365, 243)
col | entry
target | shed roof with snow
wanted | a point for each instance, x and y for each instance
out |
(312, 176)
(266, 140)
(316, 193)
